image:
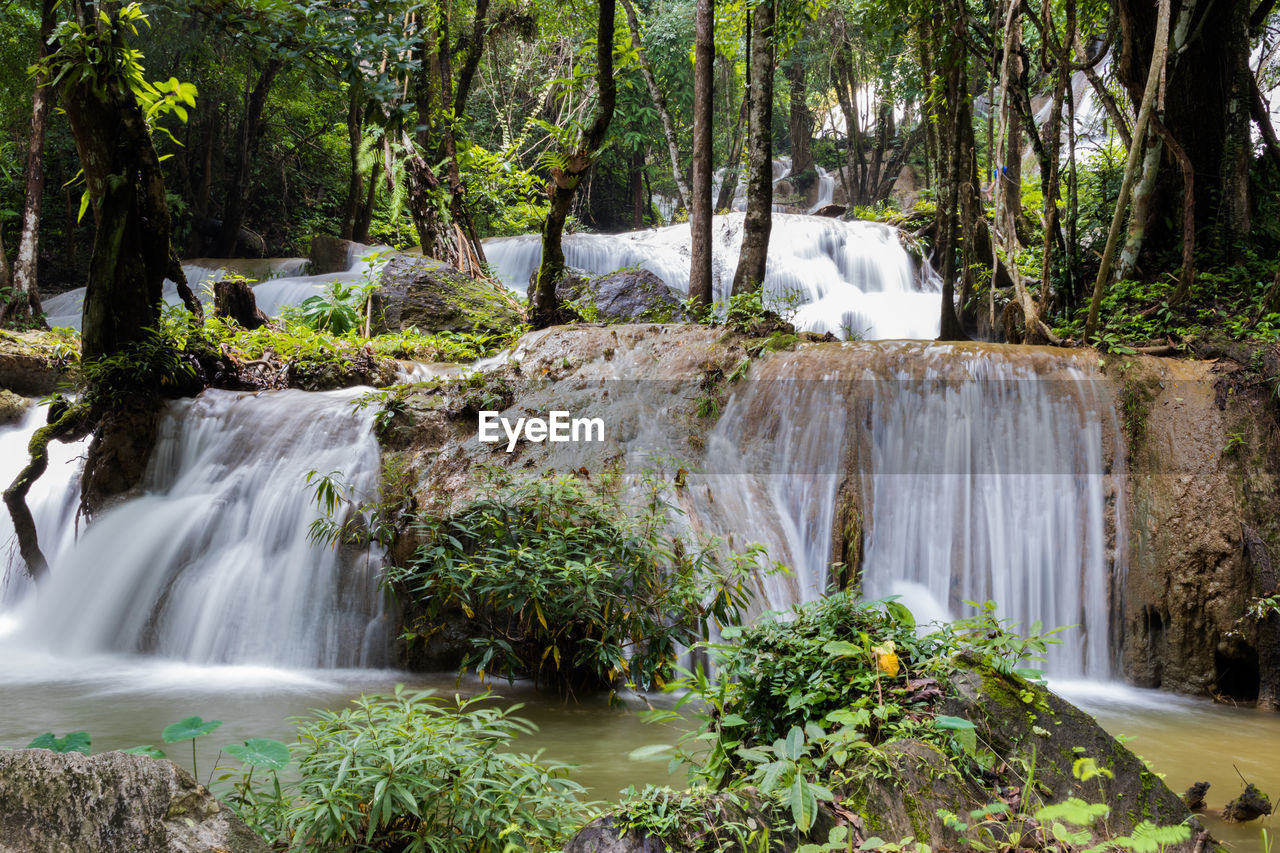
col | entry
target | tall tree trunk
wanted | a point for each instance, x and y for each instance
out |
(1010, 177)
(360, 233)
(753, 259)
(544, 307)
(637, 190)
(660, 104)
(799, 119)
(355, 183)
(25, 300)
(24, 303)
(1187, 277)
(952, 62)
(1156, 71)
(1205, 97)
(704, 55)
(1262, 118)
(246, 148)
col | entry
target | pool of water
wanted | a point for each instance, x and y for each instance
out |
(127, 701)
(1190, 740)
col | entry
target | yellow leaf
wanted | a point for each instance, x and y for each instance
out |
(888, 664)
(467, 610)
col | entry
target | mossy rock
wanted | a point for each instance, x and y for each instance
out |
(13, 407)
(430, 296)
(36, 363)
(1043, 735)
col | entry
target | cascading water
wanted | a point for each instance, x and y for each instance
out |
(281, 283)
(53, 501)
(980, 474)
(214, 564)
(853, 279)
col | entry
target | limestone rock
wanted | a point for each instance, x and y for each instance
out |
(36, 363)
(1027, 724)
(333, 254)
(635, 295)
(111, 802)
(12, 407)
(434, 297)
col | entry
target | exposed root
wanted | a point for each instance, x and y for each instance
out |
(67, 423)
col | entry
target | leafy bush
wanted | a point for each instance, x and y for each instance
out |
(568, 588)
(338, 311)
(412, 772)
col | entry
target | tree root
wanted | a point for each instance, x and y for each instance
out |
(67, 423)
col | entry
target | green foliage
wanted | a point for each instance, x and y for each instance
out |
(73, 742)
(338, 311)
(566, 586)
(190, 728)
(153, 364)
(412, 772)
(698, 820)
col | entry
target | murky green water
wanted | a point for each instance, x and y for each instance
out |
(126, 702)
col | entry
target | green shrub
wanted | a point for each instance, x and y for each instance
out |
(412, 772)
(568, 588)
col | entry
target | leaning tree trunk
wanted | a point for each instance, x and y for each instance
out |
(25, 300)
(246, 148)
(1154, 74)
(753, 259)
(704, 55)
(1205, 95)
(660, 104)
(544, 306)
(729, 186)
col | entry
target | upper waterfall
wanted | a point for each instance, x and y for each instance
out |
(853, 279)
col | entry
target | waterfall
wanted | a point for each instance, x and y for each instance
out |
(53, 501)
(979, 474)
(281, 282)
(213, 563)
(826, 189)
(853, 279)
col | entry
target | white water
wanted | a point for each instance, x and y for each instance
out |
(53, 501)
(213, 563)
(853, 279)
(988, 482)
(283, 284)
(981, 474)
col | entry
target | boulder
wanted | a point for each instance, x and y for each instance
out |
(1029, 726)
(112, 802)
(333, 254)
(831, 211)
(13, 407)
(1250, 805)
(33, 364)
(434, 297)
(635, 295)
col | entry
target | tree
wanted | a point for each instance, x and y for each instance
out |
(24, 303)
(704, 54)
(567, 174)
(753, 258)
(111, 108)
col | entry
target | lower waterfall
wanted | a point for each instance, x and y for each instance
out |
(963, 473)
(213, 563)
